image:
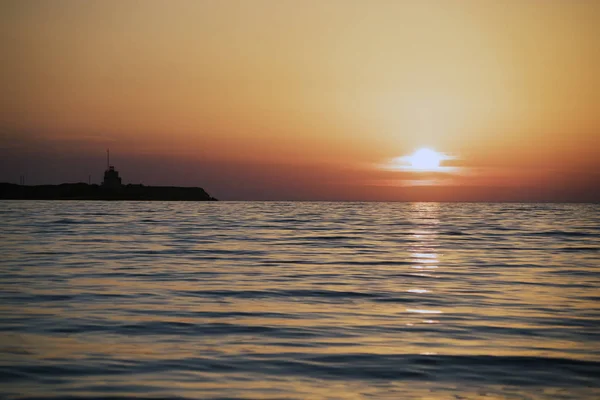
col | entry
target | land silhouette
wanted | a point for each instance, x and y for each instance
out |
(110, 189)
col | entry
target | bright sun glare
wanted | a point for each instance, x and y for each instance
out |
(425, 159)
(422, 160)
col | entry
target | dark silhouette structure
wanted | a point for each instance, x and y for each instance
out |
(112, 180)
(111, 189)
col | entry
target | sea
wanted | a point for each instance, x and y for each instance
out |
(299, 300)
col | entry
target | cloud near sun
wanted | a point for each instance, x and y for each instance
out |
(422, 160)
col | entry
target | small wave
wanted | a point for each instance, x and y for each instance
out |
(69, 221)
(376, 263)
(573, 272)
(65, 221)
(322, 237)
(162, 328)
(507, 370)
(577, 249)
(215, 314)
(560, 233)
(287, 221)
(397, 300)
(252, 294)
(503, 369)
(455, 233)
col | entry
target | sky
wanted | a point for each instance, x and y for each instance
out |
(306, 99)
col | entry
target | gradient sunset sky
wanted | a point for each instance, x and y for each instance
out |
(306, 100)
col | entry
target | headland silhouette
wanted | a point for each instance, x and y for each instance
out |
(111, 188)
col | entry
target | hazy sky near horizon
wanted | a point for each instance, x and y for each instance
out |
(306, 100)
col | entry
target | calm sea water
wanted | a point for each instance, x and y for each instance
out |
(299, 300)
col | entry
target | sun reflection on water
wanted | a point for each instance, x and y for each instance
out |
(424, 248)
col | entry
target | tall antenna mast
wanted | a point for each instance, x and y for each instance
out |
(107, 158)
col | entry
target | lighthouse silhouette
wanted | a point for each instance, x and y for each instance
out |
(112, 180)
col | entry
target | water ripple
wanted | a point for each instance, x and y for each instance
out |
(299, 300)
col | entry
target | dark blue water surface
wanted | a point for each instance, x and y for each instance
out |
(299, 300)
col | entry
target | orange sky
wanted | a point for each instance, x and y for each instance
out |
(305, 99)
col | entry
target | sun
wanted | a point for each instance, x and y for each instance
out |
(425, 159)
(422, 160)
